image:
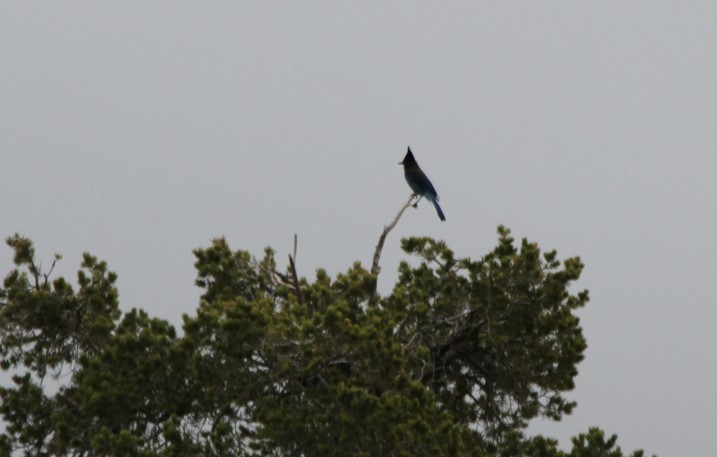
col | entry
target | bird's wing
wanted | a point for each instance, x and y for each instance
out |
(425, 183)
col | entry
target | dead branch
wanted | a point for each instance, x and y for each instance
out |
(375, 267)
(294, 276)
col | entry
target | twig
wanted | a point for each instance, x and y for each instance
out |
(296, 242)
(294, 276)
(35, 272)
(375, 268)
(52, 267)
(399, 327)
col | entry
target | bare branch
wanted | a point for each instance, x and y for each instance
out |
(52, 267)
(399, 327)
(294, 276)
(35, 272)
(375, 268)
(296, 242)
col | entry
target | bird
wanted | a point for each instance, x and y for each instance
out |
(419, 182)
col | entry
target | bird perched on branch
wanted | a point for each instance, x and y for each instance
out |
(419, 182)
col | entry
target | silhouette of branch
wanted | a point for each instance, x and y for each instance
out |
(294, 276)
(375, 267)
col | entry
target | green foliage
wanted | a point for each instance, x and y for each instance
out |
(496, 339)
(455, 361)
(590, 444)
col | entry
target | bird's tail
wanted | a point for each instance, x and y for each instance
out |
(438, 209)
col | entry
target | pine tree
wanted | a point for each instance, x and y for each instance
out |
(454, 361)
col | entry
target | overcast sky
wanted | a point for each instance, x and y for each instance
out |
(140, 130)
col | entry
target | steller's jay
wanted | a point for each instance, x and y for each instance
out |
(419, 183)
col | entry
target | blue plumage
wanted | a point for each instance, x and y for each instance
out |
(419, 182)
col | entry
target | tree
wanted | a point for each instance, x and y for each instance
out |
(454, 361)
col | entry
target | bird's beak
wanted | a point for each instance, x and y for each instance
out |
(400, 163)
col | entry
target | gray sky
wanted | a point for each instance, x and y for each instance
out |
(140, 130)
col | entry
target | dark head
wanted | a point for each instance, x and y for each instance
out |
(408, 160)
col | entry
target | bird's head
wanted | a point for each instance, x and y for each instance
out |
(408, 160)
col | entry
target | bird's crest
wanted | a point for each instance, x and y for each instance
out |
(408, 160)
